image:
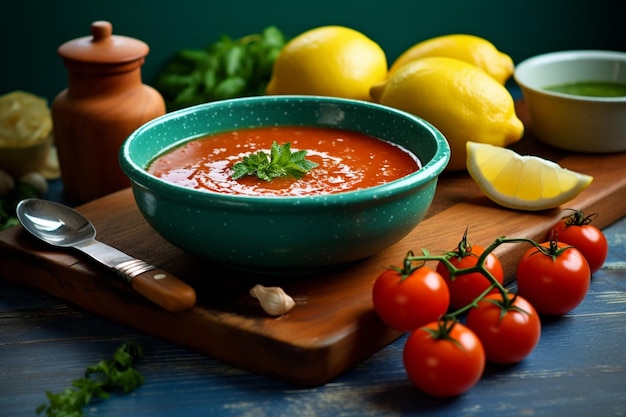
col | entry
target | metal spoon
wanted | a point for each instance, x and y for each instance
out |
(61, 226)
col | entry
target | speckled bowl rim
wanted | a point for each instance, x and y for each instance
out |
(530, 64)
(429, 171)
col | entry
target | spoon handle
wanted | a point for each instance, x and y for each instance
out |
(158, 285)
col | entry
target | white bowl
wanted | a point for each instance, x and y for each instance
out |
(576, 123)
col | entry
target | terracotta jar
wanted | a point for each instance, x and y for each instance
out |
(104, 103)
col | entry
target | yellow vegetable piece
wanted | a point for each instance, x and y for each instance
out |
(329, 61)
(25, 119)
(522, 182)
(468, 48)
(459, 99)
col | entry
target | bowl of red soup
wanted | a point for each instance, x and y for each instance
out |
(284, 184)
(576, 99)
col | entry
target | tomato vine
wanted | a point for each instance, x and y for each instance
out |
(479, 267)
(485, 321)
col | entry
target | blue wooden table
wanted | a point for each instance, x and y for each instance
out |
(578, 368)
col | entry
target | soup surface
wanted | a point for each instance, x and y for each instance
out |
(590, 89)
(347, 161)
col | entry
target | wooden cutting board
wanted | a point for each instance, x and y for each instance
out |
(333, 326)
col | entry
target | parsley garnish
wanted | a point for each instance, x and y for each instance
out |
(280, 163)
(111, 375)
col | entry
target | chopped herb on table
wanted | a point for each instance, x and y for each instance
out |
(281, 162)
(107, 376)
(8, 203)
(227, 68)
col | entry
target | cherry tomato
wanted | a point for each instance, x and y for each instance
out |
(408, 301)
(508, 331)
(464, 288)
(555, 281)
(444, 365)
(578, 231)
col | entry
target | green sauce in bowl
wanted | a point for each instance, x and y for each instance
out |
(590, 89)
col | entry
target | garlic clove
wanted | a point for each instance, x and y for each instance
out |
(274, 301)
(35, 180)
(7, 183)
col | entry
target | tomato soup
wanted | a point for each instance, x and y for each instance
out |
(346, 161)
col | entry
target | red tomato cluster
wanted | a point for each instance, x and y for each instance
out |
(406, 300)
(466, 287)
(444, 357)
(444, 366)
(555, 281)
(577, 230)
(508, 334)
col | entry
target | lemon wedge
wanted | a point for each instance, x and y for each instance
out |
(522, 182)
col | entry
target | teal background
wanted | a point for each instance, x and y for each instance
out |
(31, 31)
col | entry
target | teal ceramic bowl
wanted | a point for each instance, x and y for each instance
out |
(280, 235)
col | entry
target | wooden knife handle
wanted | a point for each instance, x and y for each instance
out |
(164, 289)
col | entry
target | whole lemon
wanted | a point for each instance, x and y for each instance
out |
(329, 61)
(459, 99)
(469, 48)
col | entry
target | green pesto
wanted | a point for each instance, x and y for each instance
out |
(590, 89)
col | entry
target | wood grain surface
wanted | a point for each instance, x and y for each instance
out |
(333, 327)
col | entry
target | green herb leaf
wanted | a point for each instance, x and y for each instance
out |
(226, 68)
(102, 378)
(280, 163)
(9, 202)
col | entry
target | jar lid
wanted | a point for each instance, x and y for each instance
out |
(102, 47)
